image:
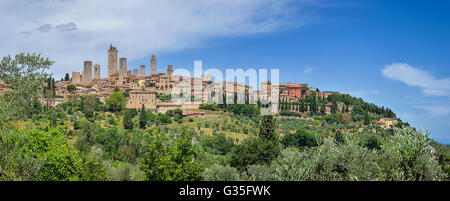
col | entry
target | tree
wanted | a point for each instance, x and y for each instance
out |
(252, 151)
(67, 77)
(53, 87)
(323, 109)
(334, 107)
(260, 150)
(25, 74)
(128, 120)
(89, 105)
(366, 118)
(300, 138)
(115, 102)
(302, 106)
(267, 129)
(221, 173)
(408, 156)
(43, 156)
(71, 88)
(143, 118)
(165, 162)
(304, 90)
(219, 144)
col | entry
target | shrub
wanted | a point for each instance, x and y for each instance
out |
(221, 173)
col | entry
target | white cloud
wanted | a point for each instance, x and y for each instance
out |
(71, 31)
(436, 110)
(308, 69)
(418, 78)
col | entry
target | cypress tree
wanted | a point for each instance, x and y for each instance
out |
(334, 107)
(267, 130)
(128, 120)
(302, 106)
(143, 118)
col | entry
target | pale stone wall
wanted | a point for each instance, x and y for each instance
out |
(76, 77)
(96, 71)
(87, 73)
(142, 70)
(169, 70)
(122, 69)
(112, 60)
(153, 65)
(164, 107)
(138, 98)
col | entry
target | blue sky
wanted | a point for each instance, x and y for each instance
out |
(392, 53)
(346, 51)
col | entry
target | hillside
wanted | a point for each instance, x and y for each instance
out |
(337, 138)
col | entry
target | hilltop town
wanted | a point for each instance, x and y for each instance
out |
(144, 89)
(131, 126)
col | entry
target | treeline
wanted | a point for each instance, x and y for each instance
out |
(404, 156)
(84, 139)
(360, 106)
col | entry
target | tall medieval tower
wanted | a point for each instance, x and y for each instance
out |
(112, 60)
(87, 73)
(142, 70)
(122, 69)
(170, 70)
(76, 78)
(96, 71)
(153, 65)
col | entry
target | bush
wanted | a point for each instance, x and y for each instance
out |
(219, 144)
(289, 113)
(221, 173)
(406, 156)
(252, 151)
(301, 138)
(44, 156)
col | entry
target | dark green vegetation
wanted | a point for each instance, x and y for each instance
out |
(85, 139)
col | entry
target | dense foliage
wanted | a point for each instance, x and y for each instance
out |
(86, 139)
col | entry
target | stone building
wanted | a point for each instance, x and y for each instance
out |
(51, 102)
(135, 72)
(293, 90)
(387, 122)
(122, 69)
(153, 65)
(142, 70)
(169, 70)
(87, 73)
(4, 87)
(166, 106)
(96, 71)
(76, 77)
(112, 60)
(138, 98)
(164, 83)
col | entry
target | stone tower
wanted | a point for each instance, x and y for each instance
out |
(76, 78)
(87, 73)
(142, 70)
(153, 65)
(96, 71)
(122, 69)
(135, 72)
(112, 60)
(170, 70)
